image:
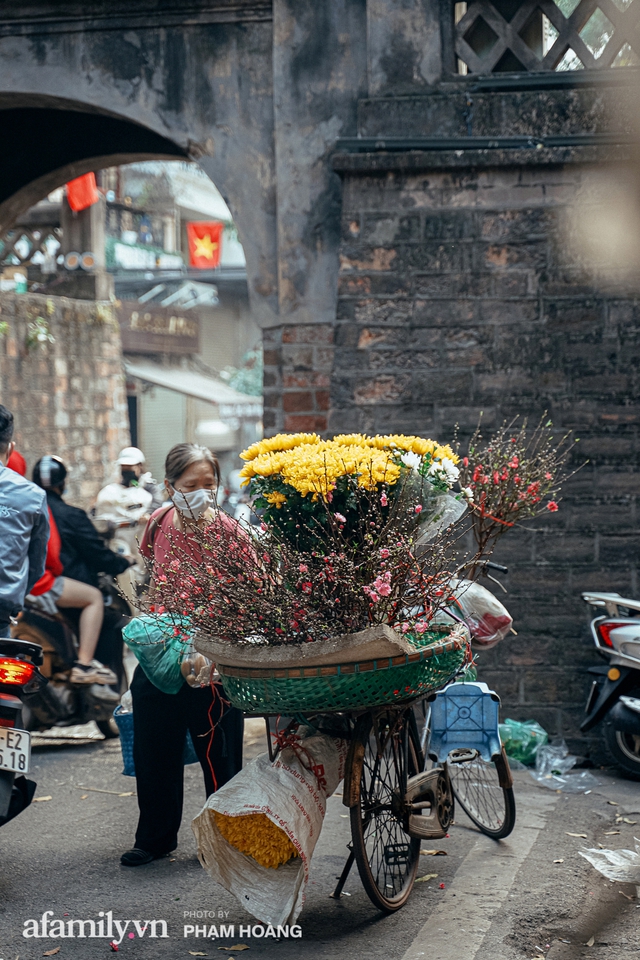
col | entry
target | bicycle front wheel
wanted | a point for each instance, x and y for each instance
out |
(385, 756)
(484, 790)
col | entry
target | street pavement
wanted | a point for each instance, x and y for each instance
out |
(530, 896)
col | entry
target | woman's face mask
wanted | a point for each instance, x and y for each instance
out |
(194, 504)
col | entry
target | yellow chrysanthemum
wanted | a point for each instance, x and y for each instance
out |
(275, 499)
(313, 466)
(256, 836)
(282, 441)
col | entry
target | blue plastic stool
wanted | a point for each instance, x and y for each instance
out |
(465, 716)
(125, 726)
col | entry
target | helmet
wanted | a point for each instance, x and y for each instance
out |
(130, 457)
(49, 472)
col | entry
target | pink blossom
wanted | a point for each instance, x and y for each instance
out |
(306, 587)
(421, 626)
(552, 506)
(548, 476)
(339, 517)
(383, 500)
(418, 508)
(513, 463)
(384, 553)
(303, 568)
(465, 461)
(384, 590)
(405, 627)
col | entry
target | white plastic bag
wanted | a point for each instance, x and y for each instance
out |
(621, 865)
(488, 620)
(294, 798)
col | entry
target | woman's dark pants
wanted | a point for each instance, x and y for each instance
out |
(160, 724)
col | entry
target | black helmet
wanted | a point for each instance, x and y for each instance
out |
(49, 472)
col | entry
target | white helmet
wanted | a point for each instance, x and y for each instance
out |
(130, 457)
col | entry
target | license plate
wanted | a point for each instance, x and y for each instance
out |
(15, 750)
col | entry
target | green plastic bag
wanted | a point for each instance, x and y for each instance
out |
(522, 739)
(157, 649)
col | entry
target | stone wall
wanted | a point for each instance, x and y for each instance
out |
(462, 291)
(68, 396)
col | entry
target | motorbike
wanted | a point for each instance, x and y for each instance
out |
(614, 697)
(59, 702)
(19, 678)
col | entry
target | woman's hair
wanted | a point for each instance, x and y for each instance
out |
(183, 455)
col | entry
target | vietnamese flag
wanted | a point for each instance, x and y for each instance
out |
(205, 244)
(82, 192)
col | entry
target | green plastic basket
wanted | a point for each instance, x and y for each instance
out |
(348, 686)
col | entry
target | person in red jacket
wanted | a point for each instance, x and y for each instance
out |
(53, 590)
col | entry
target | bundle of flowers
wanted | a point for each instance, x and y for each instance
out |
(342, 544)
(293, 478)
(255, 835)
(513, 475)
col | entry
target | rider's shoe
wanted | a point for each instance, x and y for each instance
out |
(99, 691)
(95, 672)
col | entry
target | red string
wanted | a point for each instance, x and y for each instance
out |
(212, 726)
(283, 739)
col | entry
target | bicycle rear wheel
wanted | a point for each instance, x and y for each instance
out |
(484, 790)
(386, 753)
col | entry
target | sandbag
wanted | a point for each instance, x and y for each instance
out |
(292, 792)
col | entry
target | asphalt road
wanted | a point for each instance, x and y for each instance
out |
(529, 896)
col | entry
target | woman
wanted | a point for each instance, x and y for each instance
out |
(161, 720)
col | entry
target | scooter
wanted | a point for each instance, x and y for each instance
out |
(19, 677)
(614, 697)
(59, 702)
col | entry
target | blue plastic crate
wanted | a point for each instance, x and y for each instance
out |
(465, 716)
(125, 726)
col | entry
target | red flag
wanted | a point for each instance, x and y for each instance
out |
(205, 244)
(82, 192)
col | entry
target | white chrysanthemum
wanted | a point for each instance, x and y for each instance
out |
(411, 460)
(445, 470)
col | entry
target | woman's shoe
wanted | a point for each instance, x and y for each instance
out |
(138, 858)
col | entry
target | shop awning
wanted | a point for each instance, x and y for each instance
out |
(230, 402)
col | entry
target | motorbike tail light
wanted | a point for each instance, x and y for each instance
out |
(605, 630)
(5, 722)
(17, 672)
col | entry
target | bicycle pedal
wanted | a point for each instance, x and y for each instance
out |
(429, 805)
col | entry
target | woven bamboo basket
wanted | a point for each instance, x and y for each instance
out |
(439, 655)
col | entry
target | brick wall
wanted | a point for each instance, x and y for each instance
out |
(68, 397)
(297, 375)
(462, 291)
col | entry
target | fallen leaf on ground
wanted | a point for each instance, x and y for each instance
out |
(197, 953)
(613, 803)
(558, 861)
(50, 953)
(433, 853)
(84, 796)
(612, 833)
(427, 876)
(129, 794)
(114, 793)
(582, 835)
(626, 895)
(590, 942)
(344, 816)
(632, 822)
(42, 800)
(236, 948)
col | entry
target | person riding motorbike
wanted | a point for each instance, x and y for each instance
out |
(121, 511)
(83, 556)
(24, 530)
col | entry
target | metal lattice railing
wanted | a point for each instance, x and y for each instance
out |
(535, 35)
